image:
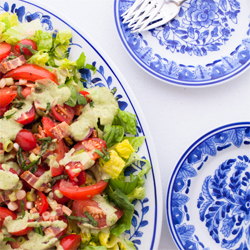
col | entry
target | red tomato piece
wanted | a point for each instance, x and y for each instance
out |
(91, 206)
(70, 167)
(62, 200)
(26, 91)
(90, 144)
(47, 125)
(81, 178)
(7, 96)
(31, 72)
(3, 110)
(26, 140)
(5, 212)
(22, 232)
(63, 113)
(41, 203)
(27, 117)
(26, 51)
(71, 242)
(60, 151)
(5, 49)
(81, 193)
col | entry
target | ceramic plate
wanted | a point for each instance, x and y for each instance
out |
(146, 223)
(206, 44)
(208, 200)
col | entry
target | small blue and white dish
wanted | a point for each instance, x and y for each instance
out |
(208, 200)
(207, 43)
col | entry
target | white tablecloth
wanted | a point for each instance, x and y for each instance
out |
(176, 116)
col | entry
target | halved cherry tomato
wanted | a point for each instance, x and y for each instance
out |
(26, 140)
(81, 193)
(22, 232)
(31, 72)
(7, 95)
(60, 151)
(27, 117)
(71, 242)
(81, 178)
(91, 206)
(47, 125)
(26, 51)
(4, 50)
(90, 144)
(3, 110)
(5, 212)
(71, 167)
(62, 200)
(63, 113)
(41, 203)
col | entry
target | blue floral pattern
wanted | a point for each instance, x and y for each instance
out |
(100, 79)
(223, 204)
(201, 29)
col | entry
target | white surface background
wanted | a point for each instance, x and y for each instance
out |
(176, 116)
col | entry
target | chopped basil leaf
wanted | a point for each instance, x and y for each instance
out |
(19, 90)
(29, 47)
(9, 239)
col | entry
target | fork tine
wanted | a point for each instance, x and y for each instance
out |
(143, 23)
(127, 14)
(141, 10)
(136, 8)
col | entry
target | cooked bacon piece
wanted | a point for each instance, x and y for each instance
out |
(6, 65)
(61, 209)
(66, 210)
(32, 179)
(33, 210)
(4, 196)
(53, 230)
(60, 131)
(38, 105)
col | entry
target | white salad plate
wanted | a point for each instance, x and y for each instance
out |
(206, 44)
(146, 223)
(208, 199)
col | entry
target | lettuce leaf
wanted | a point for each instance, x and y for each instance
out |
(8, 20)
(127, 120)
(94, 248)
(21, 31)
(135, 142)
(113, 134)
(137, 194)
(121, 201)
(40, 58)
(43, 40)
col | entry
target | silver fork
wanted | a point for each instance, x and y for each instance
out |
(149, 14)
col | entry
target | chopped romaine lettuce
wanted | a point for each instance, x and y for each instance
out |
(21, 31)
(40, 58)
(113, 134)
(135, 142)
(127, 120)
(124, 149)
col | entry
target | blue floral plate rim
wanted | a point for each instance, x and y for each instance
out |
(182, 233)
(219, 70)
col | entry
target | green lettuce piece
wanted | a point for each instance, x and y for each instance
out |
(61, 43)
(113, 134)
(80, 62)
(43, 40)
(135, 142)
(126, 120)
(121, 201)
(8, 20)
(135, 157)
(138, 193)
(16, 33)
(126, 186)
(40, 58)
(127, 245)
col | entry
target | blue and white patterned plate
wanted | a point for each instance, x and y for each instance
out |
(146, 224)
(207, 44)
(208, 200)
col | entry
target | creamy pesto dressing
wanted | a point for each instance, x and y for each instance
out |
(105, 107)
(82, 157)
(8, 180)
(56, 223)
(46, 177)
(50, 93)
(9, 129)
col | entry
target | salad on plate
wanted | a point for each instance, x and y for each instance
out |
(63, 148)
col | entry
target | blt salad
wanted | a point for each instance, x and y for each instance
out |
(63, 148)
